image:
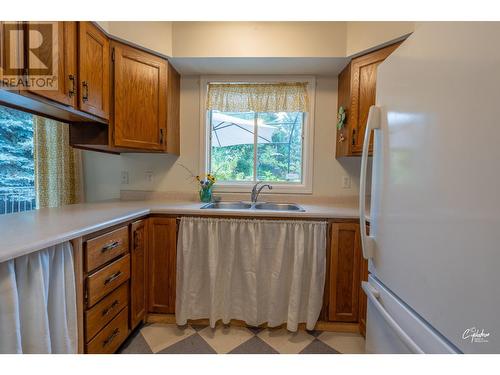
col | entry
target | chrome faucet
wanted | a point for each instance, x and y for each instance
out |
(256, 191)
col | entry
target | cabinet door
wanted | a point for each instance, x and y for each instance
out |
(138, 267)
(66, 61)
(363, 90)
(345, 260)
(140, 98)
(93, 68)
(162, 264)
(11, 50)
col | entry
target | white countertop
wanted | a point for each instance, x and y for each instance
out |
(25, 232)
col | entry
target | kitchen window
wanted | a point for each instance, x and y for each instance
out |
(258, 130)
(38, 168)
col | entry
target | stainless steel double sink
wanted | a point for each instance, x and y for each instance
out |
(269, 206)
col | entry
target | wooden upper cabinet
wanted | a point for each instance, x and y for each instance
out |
(138, 277)
(173, 111)
(162, 255)
(139, 98)
(66, 60)
(11, 49)
(344, 277)
(93, 70)
(356, 94)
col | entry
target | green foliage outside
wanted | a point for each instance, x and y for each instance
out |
(279, 161)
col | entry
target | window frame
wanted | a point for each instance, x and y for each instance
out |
(308, 135)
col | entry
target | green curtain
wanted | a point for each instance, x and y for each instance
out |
(57, 165)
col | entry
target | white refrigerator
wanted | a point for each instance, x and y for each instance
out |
(434, 244)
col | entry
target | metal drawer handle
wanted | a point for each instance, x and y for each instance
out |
(111, 246)
(111, 337)
(112, 277)
(107, 311)
(85, 86)
(72, 79)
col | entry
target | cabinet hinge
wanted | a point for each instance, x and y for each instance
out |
(113, 54)
(353, 137)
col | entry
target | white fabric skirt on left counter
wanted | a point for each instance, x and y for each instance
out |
(258, 271)
(38, 302)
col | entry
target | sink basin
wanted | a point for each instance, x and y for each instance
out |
(255, 206)
(278, 207)
(227, 206)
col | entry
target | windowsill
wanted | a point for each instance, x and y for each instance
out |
(277, 188)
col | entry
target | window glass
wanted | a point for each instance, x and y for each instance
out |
(17, 175)
(253, 146)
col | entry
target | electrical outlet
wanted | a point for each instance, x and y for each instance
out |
(148, 176)
(346, 182)
(124, 178)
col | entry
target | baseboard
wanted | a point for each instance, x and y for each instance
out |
(320, 326)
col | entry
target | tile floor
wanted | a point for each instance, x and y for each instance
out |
(191, 339)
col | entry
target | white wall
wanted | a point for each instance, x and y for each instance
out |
(156, 36)
(362, 36)
(102, 172)
(101, 176)
(259, 39)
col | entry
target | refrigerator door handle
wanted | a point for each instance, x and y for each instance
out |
(373, 295)
(367, 242)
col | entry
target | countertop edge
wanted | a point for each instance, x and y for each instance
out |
(315, 212)
(68, 236)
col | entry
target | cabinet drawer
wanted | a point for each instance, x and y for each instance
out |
(107, 279)
(111, 337)
(102, 249)
(101, 314)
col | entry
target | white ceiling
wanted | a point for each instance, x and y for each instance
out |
(326, 66)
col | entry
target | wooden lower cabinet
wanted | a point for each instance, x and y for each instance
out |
(105, 277)
(111, 337)
(138, 280)
(344, 276)
(162, 254)
(141, 280)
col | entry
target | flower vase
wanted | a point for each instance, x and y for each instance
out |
(206, 195)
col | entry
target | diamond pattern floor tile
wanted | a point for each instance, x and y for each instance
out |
(223, 339)
(318, 347)
(200, 339)
(136, 344)
(194, 344)
(161, 336)
(286, 342)
(346, 343)
(254, 346)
